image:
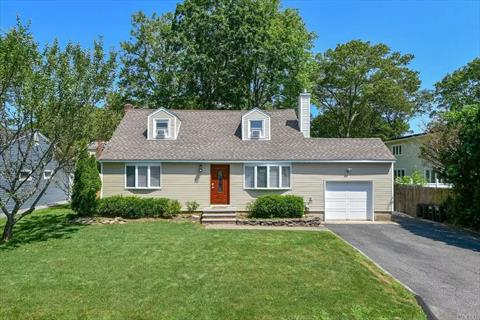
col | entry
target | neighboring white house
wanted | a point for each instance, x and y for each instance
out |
(407, 151)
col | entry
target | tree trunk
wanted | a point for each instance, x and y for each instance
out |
(8, 230)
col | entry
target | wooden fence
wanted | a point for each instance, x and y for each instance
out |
(408, 197)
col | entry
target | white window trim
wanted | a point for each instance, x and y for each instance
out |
(174, 124)
(268, 165)
(399, 148)
(27, 179)
(262, 136)
(266, 117)
(44, 177)
(148, 165)
(169, 126)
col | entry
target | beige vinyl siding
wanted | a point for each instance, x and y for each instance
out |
(309, 181)
(255, 115)
(180, 181)
(183, 182)
(161, 114)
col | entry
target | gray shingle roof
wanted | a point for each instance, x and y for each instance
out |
(207, 135)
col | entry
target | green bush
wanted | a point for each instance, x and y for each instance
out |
(86, 184)
(276, 206)
(416, 178)
(135, 207)
(192, 206)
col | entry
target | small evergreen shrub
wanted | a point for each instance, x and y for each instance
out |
(192, 206)
(132, 207)
(86, 184)
(276, 206)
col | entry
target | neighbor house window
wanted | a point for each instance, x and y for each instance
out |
(432, 176)
(256, 129)
(47, 174)
(267, 176)
(162, 128)
(397, 150)
(398, 173)
(142, 176)
(25, 175)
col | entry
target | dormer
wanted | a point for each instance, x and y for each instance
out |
(256, 125)
(162, 125)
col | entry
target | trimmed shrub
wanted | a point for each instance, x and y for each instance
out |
(192, 206)
(135, 207)
(86, 184)
(276, 206)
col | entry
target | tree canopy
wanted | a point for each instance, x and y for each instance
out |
(228, 54)
(364, 90)
(53, 91)
(461, 88)
(453, 143)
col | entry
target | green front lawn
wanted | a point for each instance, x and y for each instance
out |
(167, 270)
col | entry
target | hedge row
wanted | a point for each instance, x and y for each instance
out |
(276, 206)
(135, 207)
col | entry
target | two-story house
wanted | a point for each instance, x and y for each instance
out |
(228, 158)
(407, 151)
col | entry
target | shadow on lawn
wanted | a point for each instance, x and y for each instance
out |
(41, 227)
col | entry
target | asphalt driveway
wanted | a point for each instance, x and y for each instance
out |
(440, 264)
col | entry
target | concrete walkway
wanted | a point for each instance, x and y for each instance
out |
(440, 264)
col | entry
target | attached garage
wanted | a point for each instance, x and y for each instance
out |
(350, 200)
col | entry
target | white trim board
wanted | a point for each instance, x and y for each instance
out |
(250, 161)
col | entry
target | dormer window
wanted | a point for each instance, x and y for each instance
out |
(257, 129)
(162, 129)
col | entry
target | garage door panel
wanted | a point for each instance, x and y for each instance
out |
(347, 200)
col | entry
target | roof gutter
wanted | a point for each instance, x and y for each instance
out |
(250, 161)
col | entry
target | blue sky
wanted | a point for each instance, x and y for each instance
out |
(443, 35)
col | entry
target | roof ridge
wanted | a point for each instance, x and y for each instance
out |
(210, 110)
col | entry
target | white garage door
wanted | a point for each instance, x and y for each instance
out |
(348, 200)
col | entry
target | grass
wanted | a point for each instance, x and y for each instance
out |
(166, 270)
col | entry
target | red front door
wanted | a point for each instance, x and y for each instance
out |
(219, 184)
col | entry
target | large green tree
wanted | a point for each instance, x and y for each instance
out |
(453, 143)
(232, 54)
(364, 90)
(51, 91)
(460, 88)
(454, 147)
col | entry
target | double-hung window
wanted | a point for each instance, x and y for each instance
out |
(142, 176)
(257, 131)
(162, 130)
(432, 176)
(397, 150)
(267, 176)
(398, 173)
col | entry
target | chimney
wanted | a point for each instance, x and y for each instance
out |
(304, 113)
(127, 106)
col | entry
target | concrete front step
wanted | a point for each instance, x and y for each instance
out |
(221, 209)
(219, 215)
(219, 221)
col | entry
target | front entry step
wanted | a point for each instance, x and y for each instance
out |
(219, 215)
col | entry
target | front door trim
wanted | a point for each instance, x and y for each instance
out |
(219, 197)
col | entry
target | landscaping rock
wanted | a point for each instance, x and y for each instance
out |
(98, 220)
(301, 222)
